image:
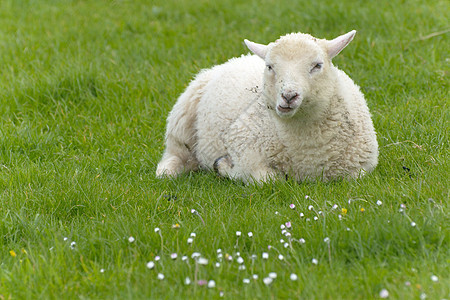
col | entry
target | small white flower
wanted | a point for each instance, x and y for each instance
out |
(423, 296)
(238, 253)
(190, 240)
(288, 225)
(384, 293)
(310, 207)
(434, 278)
(292, 206)
(72, 245)
(65, 239)
(315, 261)
(282, 226)
(219, 250)
(280, 257)
(240, 260)
(276, 213)
(187, 281)
(326, 240)
(320, 212)
(306, 197)
(217, 265)
(402, 205)
(282, 241)
(160, 276)
(193, 211)
(219, 255)
(102, 270)
(340, 217)
(173, 256)
(157, 258)
(308, 219)
(229, 257)
(157, 229)
(349, 201)
(211, 284)
(255, 276)
(273, 275)
(348, 229)
(254, 256)
(250, 234)
(379, 203)
(301, 241)
(283, 231)
(150, 265)
(265, 255)
(195, 255)
(246, 280)
(316, 218)
(241, 267)
(335, 206)
(267, 280)
(221, 293)
(287, 234)
(285, 245)
(302, 215)
(238, 233)
(293, 277)
(131, 239)
(184, 258)
(202, 261)
(413, 224)
(401, 210)
(193, 234)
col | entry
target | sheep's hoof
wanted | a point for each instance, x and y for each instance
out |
(223, 165)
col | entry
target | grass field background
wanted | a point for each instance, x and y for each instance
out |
(85, 88)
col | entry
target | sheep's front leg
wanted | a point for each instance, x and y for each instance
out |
(226, 167)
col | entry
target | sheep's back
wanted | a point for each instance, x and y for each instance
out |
(227, 98)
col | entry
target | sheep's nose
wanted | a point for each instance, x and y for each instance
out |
(289, 96)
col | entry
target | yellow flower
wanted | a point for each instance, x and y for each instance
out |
(362, 209)
(13, 253)
(344, 211)
(24, 251)
(176, 226)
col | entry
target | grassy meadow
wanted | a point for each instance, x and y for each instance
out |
(85, 88)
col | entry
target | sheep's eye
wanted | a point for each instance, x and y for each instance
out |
(317, 67)
(269, 67)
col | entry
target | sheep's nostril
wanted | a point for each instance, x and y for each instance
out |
(289, 96)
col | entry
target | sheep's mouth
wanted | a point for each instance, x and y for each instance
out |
(284, 109)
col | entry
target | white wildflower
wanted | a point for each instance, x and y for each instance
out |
(384, 293)
(211, 284)
(150, 265)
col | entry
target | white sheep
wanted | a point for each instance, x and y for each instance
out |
(284, 111)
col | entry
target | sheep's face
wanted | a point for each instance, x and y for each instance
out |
(293, 70)
(296, 74)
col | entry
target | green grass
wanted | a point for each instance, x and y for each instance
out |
(85, 87)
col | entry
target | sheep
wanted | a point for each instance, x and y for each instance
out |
(284, 111)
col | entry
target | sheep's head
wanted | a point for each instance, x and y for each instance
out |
(297, 70)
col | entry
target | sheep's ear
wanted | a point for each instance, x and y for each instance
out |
(335, 46)
(258, 49)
